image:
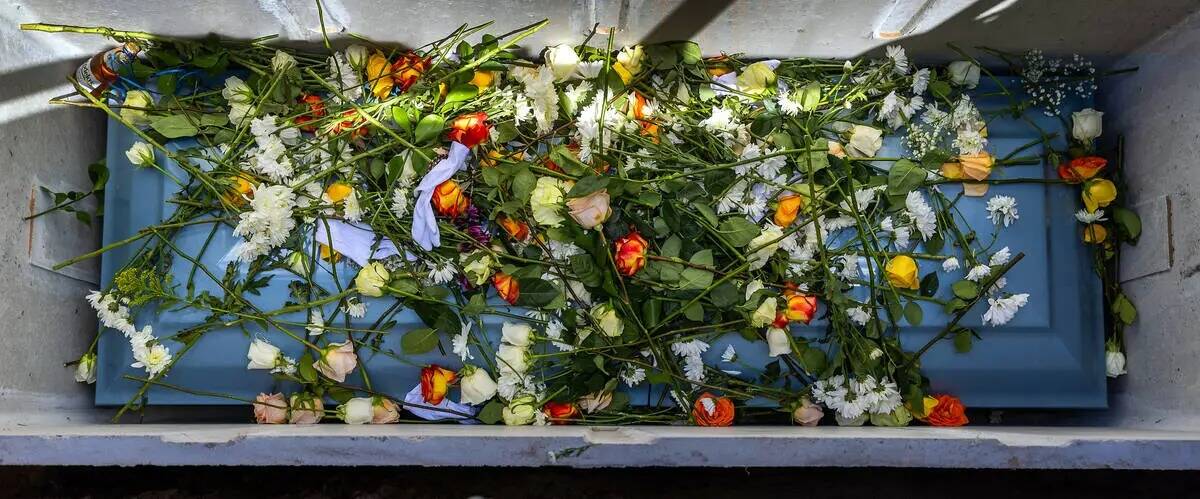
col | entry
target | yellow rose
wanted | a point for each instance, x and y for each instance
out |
(902, 272)
(1098, 193)
(630, 58)
(623, 72)
(756, 79)
(977, 166)
(546, 200)
(483, 79)
(1095, 234)
(371, 279)
(133, 109)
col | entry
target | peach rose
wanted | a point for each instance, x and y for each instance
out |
(337, 360)
(384, 411)
(807, 413)
(306, 409)
(270, 409)
(789, 207)
(591, 210)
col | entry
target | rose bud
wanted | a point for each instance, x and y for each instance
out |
(316, 109)
(560, 412)
(789, 207)
(357, 410)
(449, 200)
(506, 287)
(947, 411)
(778, 342)
(977, 166)
(807, 413)
(520, 411)
(469, 129)
(408, 69)
(801, 308)
(902, 272)
(305, 409)
(711, 410)
(1079, 169)
(516, 229)
(352, 122)
(384, 410)
(337, 360)
(242, 190)
(630, 253)
(590, 210)
(270, 409)
(435, 382)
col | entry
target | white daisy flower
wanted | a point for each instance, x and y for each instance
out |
(1000, 257)
(1002, 209)
(950, 264)
(729, 355)
(899, 59)
(978, 272)
(1002, 310)
(1090, 218)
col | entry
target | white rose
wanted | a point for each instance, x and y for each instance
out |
(359, 410)
(764, 246)
(606, 317)
(562, 60)
(1086, 124)
(512, 359)
(238, 112)
(765, 313)
(752, 287)
(85, 370)
(778, 342)
(517, 335)
(520, 411)
(237, 91)
(476, 386)
(140, 154)
(865, 141)
(631, 58)
(282, 61)
(546, 201)
(478, 266)
(371, 279)
(262, 355)
(964, 73)
(1114, 363)
(133, 109)
(357, 56)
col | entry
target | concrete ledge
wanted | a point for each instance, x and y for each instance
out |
(584, 447)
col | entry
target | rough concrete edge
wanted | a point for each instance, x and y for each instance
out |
(582, 447)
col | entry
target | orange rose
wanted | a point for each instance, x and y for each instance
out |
(506, 287)
(316, 109)
(469, 129)
(1079, 169)
(718, 65)
(781, 320)
(1095, 234)
(949, 411)
(338, 191)
(407, 69)
(243, 189)
(630, 253)
(801, 308)
(789, 207)
(711, 410)
(449, 200)
(560, 412)
(977, 166)
(435, 382)
(640, 109)
(379, 75)
(515, 228)
(352, 122)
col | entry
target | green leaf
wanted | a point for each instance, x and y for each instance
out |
(1124, 310)
(419, 341)
(1129, 225)
(461, 93)
(174, 126)
(904, 177)
(587, 185)
(810, 96)
(929, 284)
(535, 292)
(694, 278)
(166, 84)
(913, 313)
(695, 312)
(429, 128)
(953, 305)
(813, 359)
(966, 290)
(403, 116)
(505, 132)
(707, 212)
(340, 394)
(620, 400)
(522, 185)
(739, 231)
(671, 246)
(689, 52)
(304, 367)
(962, 341)
(939, 88)
(491, 412)
(725, 295)
(661, 56)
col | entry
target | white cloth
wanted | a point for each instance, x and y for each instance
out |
(414, 397)
(424, 227)
(353, 240)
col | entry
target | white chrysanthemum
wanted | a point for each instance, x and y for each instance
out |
(693, 364)
(268, 224)
(356, 309)
(850, 269)
(554, 331)
(1002, 209)
(459, 344)
(858, 315)
(969, 141)
(111, 312)
(1090, 218)
(721, 122)
(343, 76)
(541, 94)
(1000, 257)
(442, 273)
(154, 358)
(900, 233)
(899, 59)
(920, 81)
(729, 355)
(400, 202)
(950, 264)
(351, 210)
(316, 322)
(887, 397)
(1002, 310)
(633, 375)
(978, 272)
(787, 105)
(922, 215)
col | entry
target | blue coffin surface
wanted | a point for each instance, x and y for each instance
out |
(1050, 355)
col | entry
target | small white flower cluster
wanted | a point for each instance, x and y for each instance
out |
(588, 132)
(1049, 81)
(148, 353)
(1002, 210)
(856, 396)
(268, 224)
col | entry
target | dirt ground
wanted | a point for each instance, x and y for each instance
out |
(264, 483)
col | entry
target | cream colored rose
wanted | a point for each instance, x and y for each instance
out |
(140, 154)
(1114, 363)
(237, 91)
(590, 210)
(516, 334)
(865, 141)
(964, 73)
(606, 317)
(357, 410)
(546, 201)
(836, 149)
(511, 358)
(262, 355)
(520, 411)
(282, 61)
(764, 245)
(270, 409)
(337, 360)
(384, 410)
(476, 385)
(85, 370)
(1086, 124)
(477, 265)
(133, 108)
(562, 61)
(807, 413)
(765, 313)
(371, 279)
(778, 342)
(357, 56)
(305, 409)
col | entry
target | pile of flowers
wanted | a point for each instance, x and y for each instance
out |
(617, 209)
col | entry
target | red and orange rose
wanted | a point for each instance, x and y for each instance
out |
(506, 287)
(1080, 169)
(469, 129)
(560, 412)
(449, 200)
(435, 382)
(711, 410)
(630, 253)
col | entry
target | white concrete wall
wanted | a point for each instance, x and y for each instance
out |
(1158, 111)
